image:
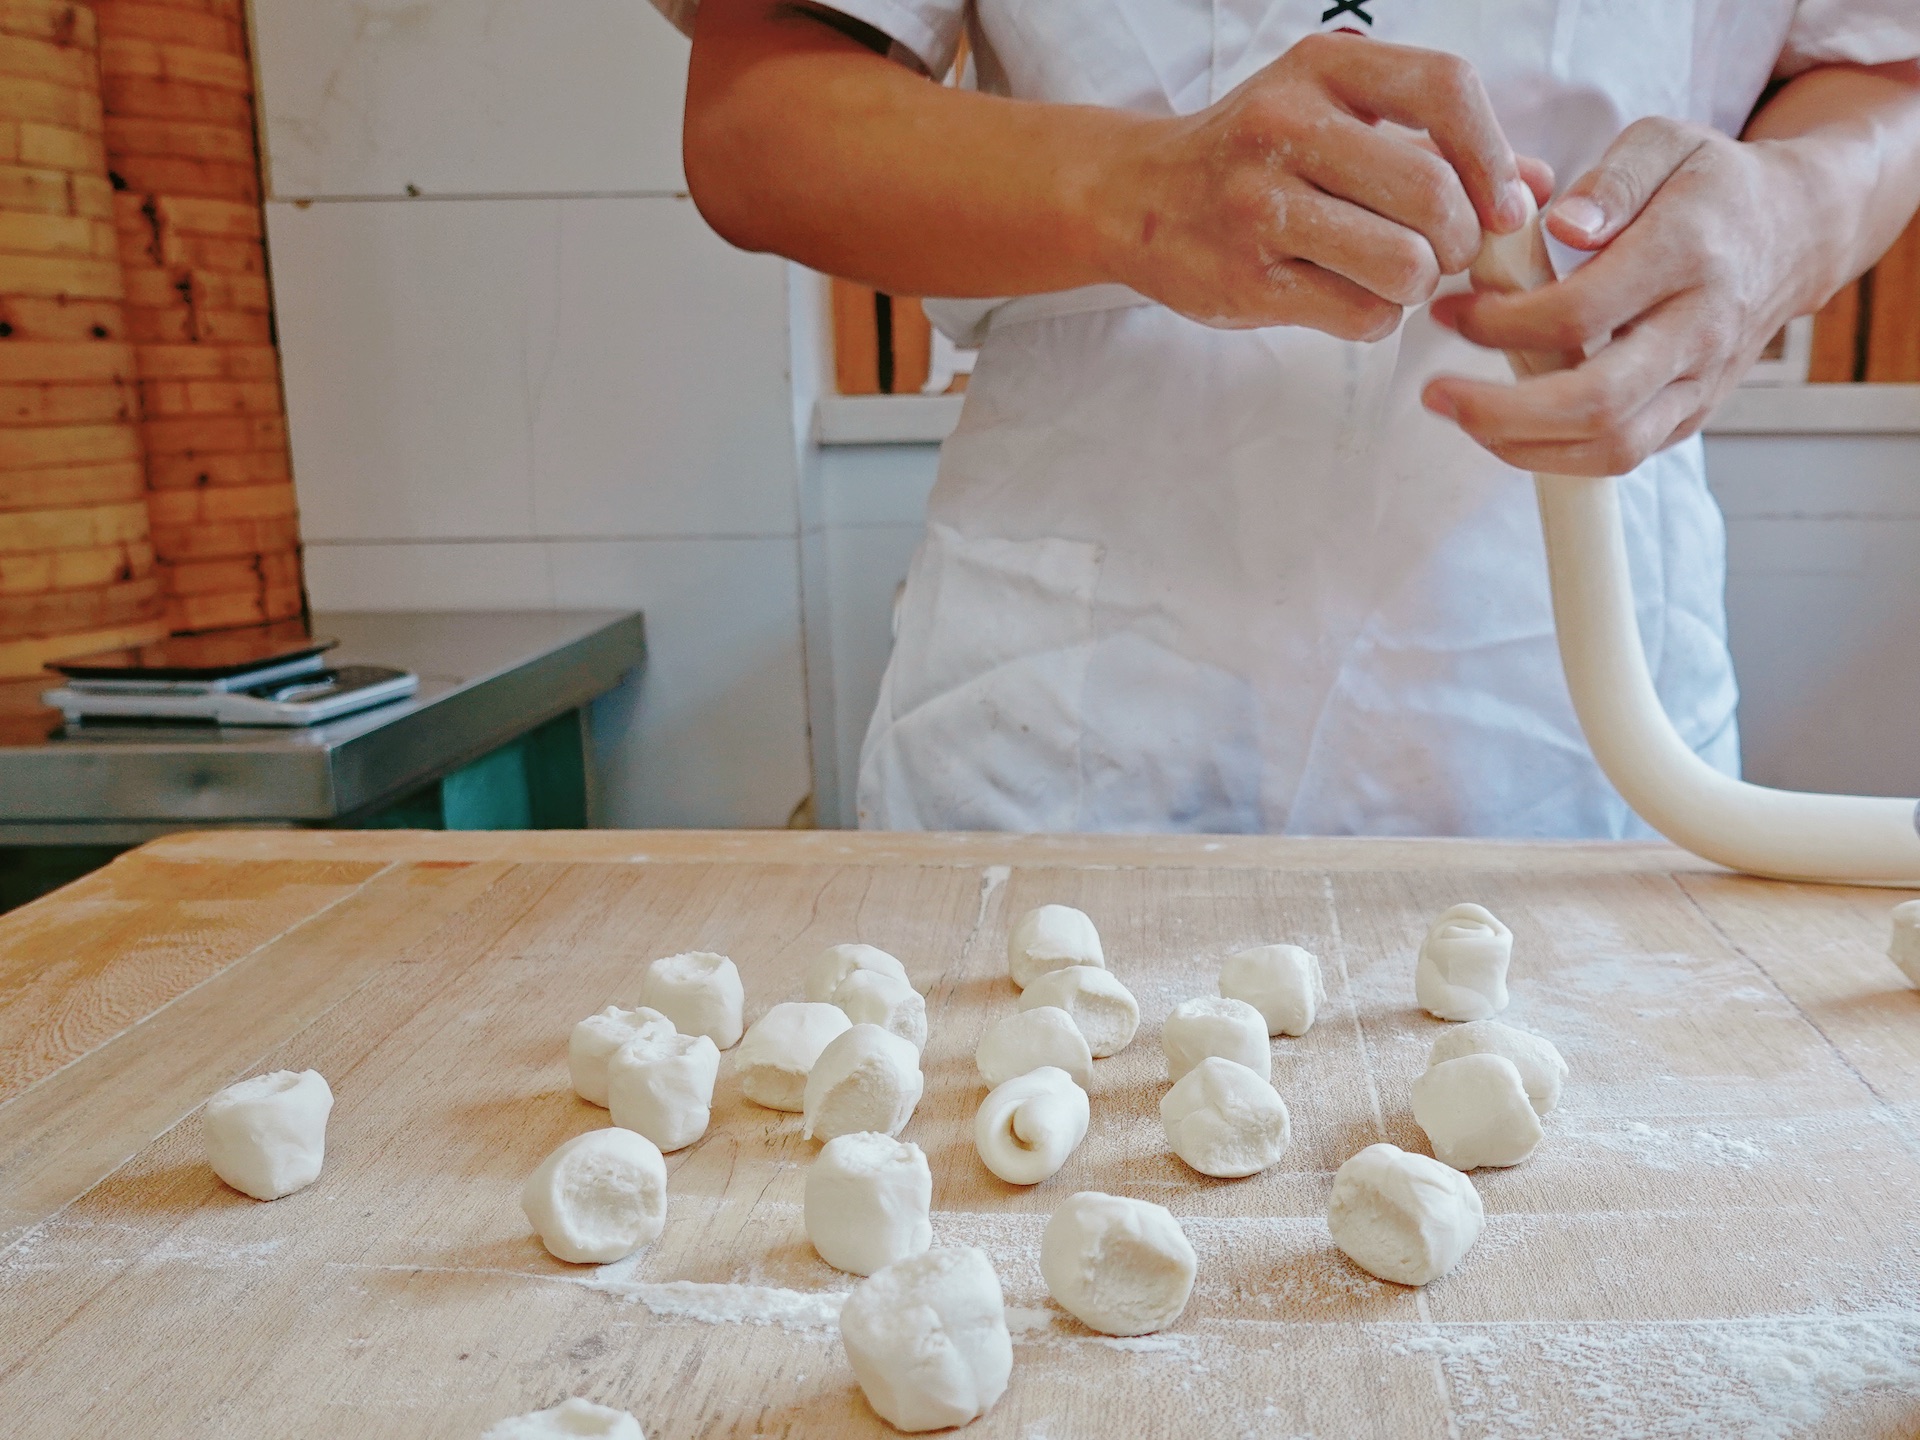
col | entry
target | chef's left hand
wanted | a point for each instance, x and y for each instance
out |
(1700, 242)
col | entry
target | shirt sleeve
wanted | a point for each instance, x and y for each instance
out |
(1859, 32)
(927, 30)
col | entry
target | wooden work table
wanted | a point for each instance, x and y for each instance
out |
(1720, 1235)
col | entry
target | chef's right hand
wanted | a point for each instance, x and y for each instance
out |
(1290, 202)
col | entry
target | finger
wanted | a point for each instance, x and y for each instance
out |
(1441, 94)
(1605, 200)
(1297, 292)
(1669, 418)
(1397, 174)
(1538, 175)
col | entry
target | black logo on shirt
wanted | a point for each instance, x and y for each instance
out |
(1355, 8)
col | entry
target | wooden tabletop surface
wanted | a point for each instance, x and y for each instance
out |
(1719, 1237)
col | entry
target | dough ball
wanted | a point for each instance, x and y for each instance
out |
(1045, 1035)
(1103, 1010)
(833, 964)
(1905, 948)
(599, 1197)
(866, 1079)
(1282, 982)
(1462, 970)
(1403, 1217)
(780, 1049)
(661, 1086)
(595, 1039)
(868, 1202)
(1224, 1120)
(927, 1339)
(1476, 1112)
(700, 993)
(873, 997)
(1231, 1029)
(1541, 1069)
(1119, 1266)
(1052, 938)
(569, 1418)
(1027, 1126)
(267, 1137)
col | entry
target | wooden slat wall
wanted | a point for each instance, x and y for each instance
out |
(862, 366)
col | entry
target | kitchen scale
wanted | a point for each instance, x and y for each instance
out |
(257, 676)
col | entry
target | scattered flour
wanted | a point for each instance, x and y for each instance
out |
(720, 1304)
(1673, 1150)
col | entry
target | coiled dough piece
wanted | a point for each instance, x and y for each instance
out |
(1224, 1120)
(781, 1048)
(835, 963)
(927, 1339)
(661, 1086)
(700, 993)
(1210, 1025)
(1904, 949)
(599, 1197)
(1403, 1217)
(1027, 1126)
(1476, 1112)
(868, 1203)
(1052, 937)
(1045, 1035)
(1103, 1010)
(1282, 982)
(596, 1038)
(1117, 1265)
(574, 1417)
(1542, 1071)
(267, 1137)
(873, 997)
(1462, 970)
(866, 1079)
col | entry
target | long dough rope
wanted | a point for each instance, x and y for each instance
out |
(1784, 834)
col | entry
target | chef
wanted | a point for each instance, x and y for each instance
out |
(1234, 533)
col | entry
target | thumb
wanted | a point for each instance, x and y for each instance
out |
(1609, 197)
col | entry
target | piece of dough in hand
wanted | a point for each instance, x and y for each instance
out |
(1904, 949)
(1542, 1071)
(1025, 1041)
(700, 993)
(1103, 1010)
(1462, 970)
(868, 1202)
(661, 1086)
(1224, 1120)
(267, 1137)
(866, 1079)
(576, 1417)
(1052, 937)
(599, 1197)
(780, 1049)
(1476, 1112)
(928, 1340)
(1117, 1265)
(1216, 1025)
(1027, 1127)
(1403, 1217)
(1282, 982)
(833, 965)
(596, 1038)
(872, 997)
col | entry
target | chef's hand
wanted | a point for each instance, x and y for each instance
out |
(1700, 240)
(1308, 196)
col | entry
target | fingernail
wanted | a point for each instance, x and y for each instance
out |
(1514, 202)
(1581, 214)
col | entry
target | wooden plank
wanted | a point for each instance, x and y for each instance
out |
(74, 569)
(31, 319)
(912, 346)
(66, 404)
(55, 20)
(856, 340)
(66, 612)
(25, 658)
(72, 486)
(1893, 334)
(60, 445)
(260, 467)
(73, 528)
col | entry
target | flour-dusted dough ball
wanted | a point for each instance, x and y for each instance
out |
(1476, 1112)
(833, 964)
(868, 1202)
(1052, 937)
(1224, 1120)
(1403, 1217)
(780, 1049)
(873, 997)
(661, 1086)
(700, 993)
(928, 1341)
(1282, 982)
(267, 1137)
(1904, 950)
(599, 1197)
(1117, 1265)
(569, 1418)
(1045, 1035)
(1462, 970)
(1103, 1010)
(1027, 1126)
(866, 1079)
(1541, 1069)
(595, 1039)
(1209, 1025)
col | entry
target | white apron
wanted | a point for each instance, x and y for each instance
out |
(1193, 579)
